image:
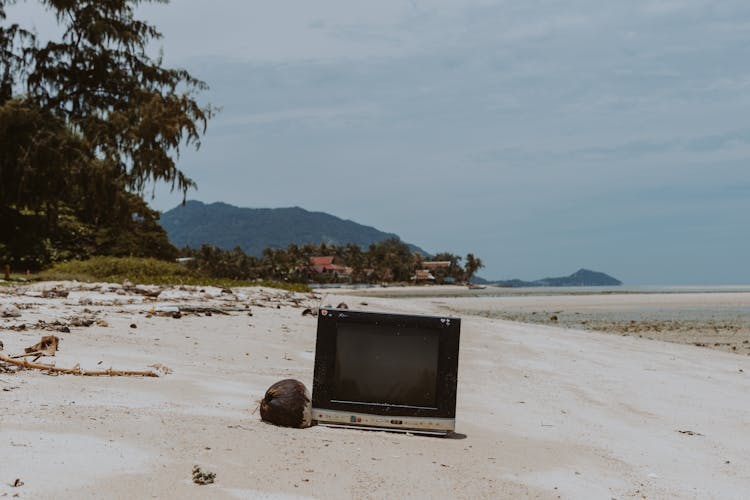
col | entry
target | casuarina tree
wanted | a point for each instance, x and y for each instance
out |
(88, 121)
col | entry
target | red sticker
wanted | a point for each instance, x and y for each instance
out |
(324, 312)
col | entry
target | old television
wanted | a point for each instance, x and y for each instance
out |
(386, 371)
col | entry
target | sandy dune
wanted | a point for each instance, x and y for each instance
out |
(543, 411)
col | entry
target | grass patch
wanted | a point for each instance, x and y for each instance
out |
(147, 271)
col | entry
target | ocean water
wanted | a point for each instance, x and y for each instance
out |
(608, 290)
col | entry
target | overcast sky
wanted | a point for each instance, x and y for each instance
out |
(544, 136)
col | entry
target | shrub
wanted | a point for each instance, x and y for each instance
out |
(148, 271)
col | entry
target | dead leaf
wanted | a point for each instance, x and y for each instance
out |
(46, 347)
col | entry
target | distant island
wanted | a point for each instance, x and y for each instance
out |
(255, 229)
(582, 277)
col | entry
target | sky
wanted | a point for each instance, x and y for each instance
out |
(543, 136)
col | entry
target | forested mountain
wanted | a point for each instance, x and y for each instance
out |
(254, 229)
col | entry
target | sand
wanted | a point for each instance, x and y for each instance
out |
(543, 411)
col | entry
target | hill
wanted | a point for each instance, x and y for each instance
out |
(582, 277)
(253, 229)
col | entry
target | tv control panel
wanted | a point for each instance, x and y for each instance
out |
(403, 424)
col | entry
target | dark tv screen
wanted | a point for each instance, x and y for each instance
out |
(376, 365)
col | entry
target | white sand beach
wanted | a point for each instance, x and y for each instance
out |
(543, 411)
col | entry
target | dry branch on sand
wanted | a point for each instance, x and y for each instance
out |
(47, 346)
(76, 370)
(204, 310)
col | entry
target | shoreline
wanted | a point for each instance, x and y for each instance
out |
(455, 291)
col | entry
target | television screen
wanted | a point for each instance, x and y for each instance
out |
(386, 371)
(377, 364)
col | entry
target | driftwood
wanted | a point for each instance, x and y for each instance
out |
(76, 370)
(212, 310)
(143, 291)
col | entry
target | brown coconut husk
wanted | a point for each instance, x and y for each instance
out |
(287, 403)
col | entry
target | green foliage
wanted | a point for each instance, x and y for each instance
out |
(116, 269)
(390, 260)
(133, 113)
(473, 264)
(232, 264)
(98, 120)
(148, 271)
(387, 261)
(29, 242)
(453, 272)
(39, 157)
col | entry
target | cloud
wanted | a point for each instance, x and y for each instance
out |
(312, 116)
(542, 136)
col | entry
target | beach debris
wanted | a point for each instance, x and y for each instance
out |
(309, 312)
(161, 368)
(164, 308)
(133, 325)
(553, 318)
(208, 311)
(76, 370)
(342, 305)
(14, 328)
(2, 346)
(152, 291)
(287, 404)
(17, 483)
(55, 326)
(690, 433)
(82, 321)
(54, 293)
(202, 477)
(47, 346)
(9, 311)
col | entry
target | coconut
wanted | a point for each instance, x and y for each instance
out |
(287, 403)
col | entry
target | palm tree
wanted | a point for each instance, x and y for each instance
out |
(473, 264)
